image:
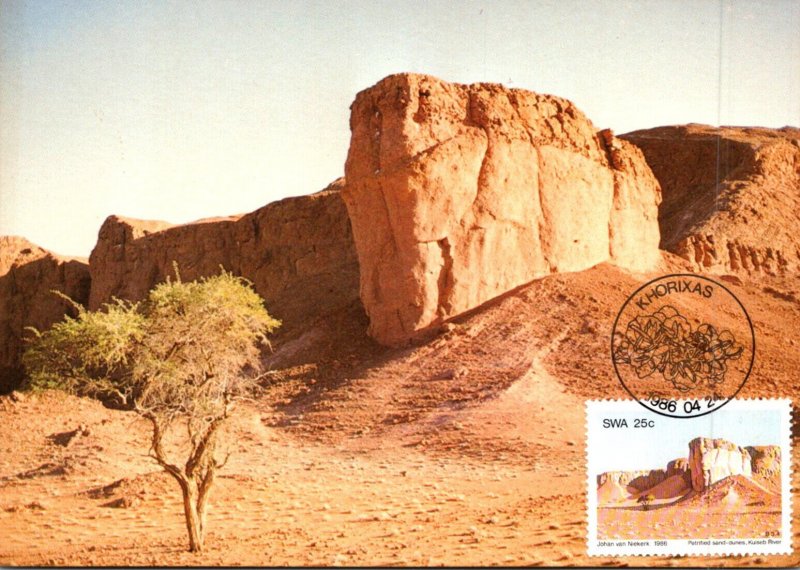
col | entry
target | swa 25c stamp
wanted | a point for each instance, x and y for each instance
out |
(715, 484)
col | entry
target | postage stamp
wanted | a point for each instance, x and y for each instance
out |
(684, 337)
(716, 484)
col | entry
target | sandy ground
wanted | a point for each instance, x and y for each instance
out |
(735, 507)
(465, 450)
(633, 523)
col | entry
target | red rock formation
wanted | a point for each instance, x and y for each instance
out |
(298, 253)
(637, 480)
(460, 193)
(28, 275)
(711, 460)
(766, 460)
(731, 195)
(680, 467)
(640, 481)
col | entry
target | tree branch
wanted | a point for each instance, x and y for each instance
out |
(158, 450)
(224, 462)
(205, 444)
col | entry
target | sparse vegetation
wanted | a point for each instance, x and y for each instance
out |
(181, 359)
(646, 501)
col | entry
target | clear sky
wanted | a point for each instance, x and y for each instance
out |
(741, 423)
(183, 110)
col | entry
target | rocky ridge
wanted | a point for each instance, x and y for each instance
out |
(637, 480)
(646, 479)
(730, 195)
(458, 194)
(766, 460)
(298, 253)
(28, 276)
(709, 462)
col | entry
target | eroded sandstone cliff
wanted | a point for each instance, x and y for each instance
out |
(730, 195)
(766, 459)
(633, 480)
(298, 253)
(711, 460)
(459, 193)
(28, 277)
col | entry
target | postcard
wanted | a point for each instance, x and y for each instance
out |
(404, 284)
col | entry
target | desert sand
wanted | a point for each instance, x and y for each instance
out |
(736, 506)
(468, 449)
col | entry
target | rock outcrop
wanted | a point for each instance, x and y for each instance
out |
(730, 195)
(766, 460)
(459, 193)
(636, 481)
(28, 277)
(298, 253)
(711, 460)
(681, 468)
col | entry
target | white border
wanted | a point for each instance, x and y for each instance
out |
(673, 547)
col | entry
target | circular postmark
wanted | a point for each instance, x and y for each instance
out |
(683, 345)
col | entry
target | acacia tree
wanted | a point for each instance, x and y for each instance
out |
(646, 501)
(181, 359)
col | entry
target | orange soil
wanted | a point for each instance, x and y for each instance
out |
(468, 449)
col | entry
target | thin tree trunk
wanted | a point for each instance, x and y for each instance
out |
(188, 484)
(202, 500)
(193, 523)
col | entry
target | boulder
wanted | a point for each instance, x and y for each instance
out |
(711, 460)
(459, 193)
(298, 253)
(28, 277)
(730, 195)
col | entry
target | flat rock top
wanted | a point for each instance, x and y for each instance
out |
(17, 250)
(709, 443)
(141, 227)
(753, 135)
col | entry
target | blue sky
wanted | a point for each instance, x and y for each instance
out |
(179, 110)
(652, 448)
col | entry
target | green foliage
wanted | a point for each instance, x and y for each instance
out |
(87, 354)
(180, 358)
(183, 345)
(646, 501)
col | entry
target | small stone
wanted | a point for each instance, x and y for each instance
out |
(17, 396)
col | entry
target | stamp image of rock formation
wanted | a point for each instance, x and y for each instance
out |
(720, 490)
